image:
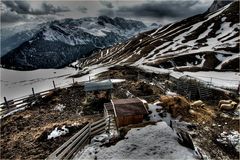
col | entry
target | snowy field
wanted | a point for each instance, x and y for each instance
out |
(151, 142)
(16, 84)
(20, 83)
(219, 79)
(229, 80)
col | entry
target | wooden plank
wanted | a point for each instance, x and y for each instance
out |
(82, 146)
(99, 125)
(78, 146)
(47, 91)
(13, 106)
(22, 99)
(2, 111)
(12, 109)
(97, 122)
(53, 155)
(3, 107)
(97, 131)
(77, 141)
(17, 107)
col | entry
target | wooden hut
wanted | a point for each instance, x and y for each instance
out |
(126, 111)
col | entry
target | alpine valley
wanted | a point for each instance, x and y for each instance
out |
(58, 43)
(208, 41)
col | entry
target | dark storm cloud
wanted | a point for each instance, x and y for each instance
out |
(9, 17)
(160, 9)
(51, 9)
(107, 4)
(82, 9)
(23, 7)
(108, 12)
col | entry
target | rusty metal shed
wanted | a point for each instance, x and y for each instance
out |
(126, 111)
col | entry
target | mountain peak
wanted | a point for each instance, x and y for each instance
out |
(217, 4)
(64, 41)
(202, 42)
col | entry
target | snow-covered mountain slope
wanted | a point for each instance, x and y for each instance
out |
(12, 37)
(203, 42)
(61, 42)
(217, 4)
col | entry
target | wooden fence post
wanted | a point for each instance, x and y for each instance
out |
(54, 85)
(109, 121)
(33, 92)
(5, 100)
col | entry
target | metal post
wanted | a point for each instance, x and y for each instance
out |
(5, 100)
(89, 79)
(33, 92)
(54, 85)
(73, 80)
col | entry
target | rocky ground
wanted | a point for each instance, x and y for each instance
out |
(25, 134)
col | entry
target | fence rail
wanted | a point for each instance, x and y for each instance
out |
(80, 139)
(13, 105)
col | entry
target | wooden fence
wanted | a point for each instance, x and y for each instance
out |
(10, 106)
(77, 142)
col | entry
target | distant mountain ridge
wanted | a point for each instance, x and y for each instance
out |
(61, 42)
(217, 4)
(208, 41)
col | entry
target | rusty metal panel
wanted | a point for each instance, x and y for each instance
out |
(127, 107)
(127, 120)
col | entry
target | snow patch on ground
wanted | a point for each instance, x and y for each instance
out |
(154, 116)
(115, 80)
(226, 60)
(150, 142)
(58, 132)
(169, 93)
(153, 69)
(231, 138)
(218, 79)
(59, 107)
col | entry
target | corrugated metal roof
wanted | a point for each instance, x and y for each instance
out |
(98, 86)
(127, 107)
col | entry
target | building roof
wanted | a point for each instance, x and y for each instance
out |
(127, 107)
(98, 86)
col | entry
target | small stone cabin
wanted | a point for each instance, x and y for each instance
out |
(126, 111)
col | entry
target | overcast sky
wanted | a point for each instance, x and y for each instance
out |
(148, 11)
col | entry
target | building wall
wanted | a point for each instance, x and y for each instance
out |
(126, 120)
